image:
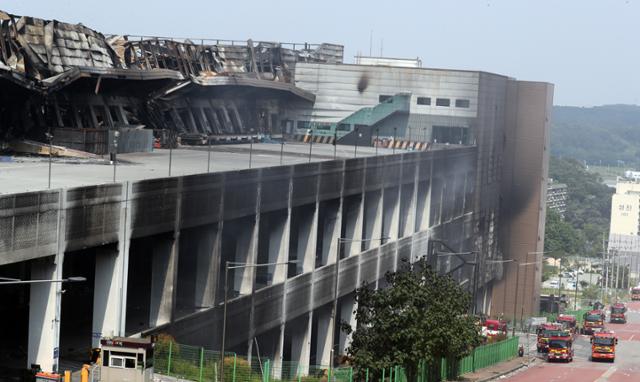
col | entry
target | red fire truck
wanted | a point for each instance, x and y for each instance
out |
(635, 293)
(560, 349)
(593, 322)
(603, 346)
(618, 313)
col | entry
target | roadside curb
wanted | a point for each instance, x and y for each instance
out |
(503, 373)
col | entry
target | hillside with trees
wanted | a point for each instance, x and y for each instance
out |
(588, 211)
(602, 135)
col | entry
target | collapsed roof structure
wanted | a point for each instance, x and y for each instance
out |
(81, 86)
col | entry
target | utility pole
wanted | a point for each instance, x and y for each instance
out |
(575, 296)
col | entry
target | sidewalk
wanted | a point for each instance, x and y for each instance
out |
(498, 370)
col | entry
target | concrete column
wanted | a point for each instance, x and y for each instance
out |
(278, 355)
(279, 247)
(44, 314)
(347, 306)
(391, 214)
(325, 327)
(331, 232)
(247, 253)
(354, 226)
(301, 344)
(164, 267)
(373, 218)
(308, 240)
(107, 296)
(411, 213)
(208, 252)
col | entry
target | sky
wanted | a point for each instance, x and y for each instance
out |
(589, 49)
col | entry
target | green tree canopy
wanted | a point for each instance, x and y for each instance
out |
(588, 211)
(421, 316)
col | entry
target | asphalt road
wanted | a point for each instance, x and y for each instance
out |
(625, 368)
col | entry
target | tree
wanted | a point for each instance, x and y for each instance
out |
(421, 316)
(588, 210)
(592, 292)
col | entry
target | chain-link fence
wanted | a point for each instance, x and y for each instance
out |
(198, 364)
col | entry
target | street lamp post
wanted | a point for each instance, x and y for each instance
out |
(171, 143)
(474, 283)
(334, 308)
(281, 145)
(50, 139)
(377, 139)
(234, 265)
(395, 134)
(310, 132)
(525, 279)
(208, 154)
(358, 136)
(575, 295)
(12, 281)
(56, 321)
(250, 146)
(515, 300)
(335, 143)
(116, 134)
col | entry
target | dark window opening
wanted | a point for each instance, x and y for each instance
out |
(443, 102)
(424, 100)
(323, 126)
(344, 127)
(450, 134)
(464, 103)
(303, 125)
(384, 98)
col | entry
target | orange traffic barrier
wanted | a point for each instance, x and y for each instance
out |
(84, 374)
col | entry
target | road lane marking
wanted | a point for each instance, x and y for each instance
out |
(631, 338)
(605, 376)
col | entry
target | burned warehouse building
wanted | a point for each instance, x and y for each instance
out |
(349, 169)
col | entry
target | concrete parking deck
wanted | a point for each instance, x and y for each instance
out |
(21, 174)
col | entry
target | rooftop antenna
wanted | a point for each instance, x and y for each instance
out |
(381, 46)
(371, 43)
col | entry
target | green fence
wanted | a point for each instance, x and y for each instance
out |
(197, 364)
(551, 317)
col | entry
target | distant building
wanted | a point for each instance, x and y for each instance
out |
(633, 175)
(557, 197)
(625, 208)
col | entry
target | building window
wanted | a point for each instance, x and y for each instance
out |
(450, 134)
(424, 100)
(443, 102)
(384, 98)
(464, 103)
(303, 125)
(344, 127)
(322, 126)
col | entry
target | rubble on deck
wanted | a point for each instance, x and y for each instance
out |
(79, 85)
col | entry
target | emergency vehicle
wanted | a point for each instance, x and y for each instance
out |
(603, 346)
(560, 349)
(544, 332)
(568, 322)
(617, 314)
(593, 322)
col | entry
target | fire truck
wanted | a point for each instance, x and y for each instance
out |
(603, 346)
(494, 328)
(560, 349)
(568, 322)
(635, 293)
(618, 315)
(546, 331)
(593, 322)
